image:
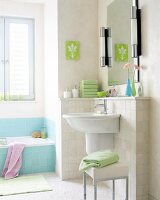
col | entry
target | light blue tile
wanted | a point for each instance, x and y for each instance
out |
(16, 127)
(35, 159)
(3, 154)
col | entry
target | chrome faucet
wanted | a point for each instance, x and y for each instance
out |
(104, 105)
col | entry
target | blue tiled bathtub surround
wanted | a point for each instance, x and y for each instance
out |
(16, 127)
(36, 159)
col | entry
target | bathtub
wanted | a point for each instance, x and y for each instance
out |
(38, 155)
(28, 141)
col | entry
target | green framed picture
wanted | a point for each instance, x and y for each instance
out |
(121, 51)
(72, 50)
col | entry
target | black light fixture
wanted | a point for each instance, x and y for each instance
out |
(106, 47)
(136, 30)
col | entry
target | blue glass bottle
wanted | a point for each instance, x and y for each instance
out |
(128, 88)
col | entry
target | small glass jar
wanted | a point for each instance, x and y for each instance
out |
(75, 93)
(43, 132)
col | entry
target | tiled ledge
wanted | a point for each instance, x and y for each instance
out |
(125, 98)
(108, 98)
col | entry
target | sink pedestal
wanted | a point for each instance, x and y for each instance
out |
(98, 141)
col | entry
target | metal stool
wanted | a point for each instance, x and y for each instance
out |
(110, 172)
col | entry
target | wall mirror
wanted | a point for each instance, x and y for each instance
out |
(119, 20)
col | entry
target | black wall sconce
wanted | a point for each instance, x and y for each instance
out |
(136, 30)
(106, 47)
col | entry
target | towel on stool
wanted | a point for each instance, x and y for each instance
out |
(98, 159)
(13, 161)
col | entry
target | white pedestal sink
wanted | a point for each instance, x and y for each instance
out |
(98, 128)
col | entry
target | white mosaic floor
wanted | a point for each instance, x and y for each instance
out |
(64, 190)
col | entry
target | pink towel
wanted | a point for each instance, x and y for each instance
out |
(13, 161)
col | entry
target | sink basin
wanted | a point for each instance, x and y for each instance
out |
(93, 122)
(98, 128)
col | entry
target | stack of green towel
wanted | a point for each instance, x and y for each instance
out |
(98, 159)
(88, 88)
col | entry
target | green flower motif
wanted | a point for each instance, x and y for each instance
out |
(72, 50)
(121, 52)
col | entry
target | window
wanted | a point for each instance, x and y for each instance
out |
(16, 58)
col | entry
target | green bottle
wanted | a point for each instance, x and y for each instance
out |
(133, 89)
(43, 132)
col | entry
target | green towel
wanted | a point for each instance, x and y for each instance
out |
(98, 159)
(89, 86)
(91, 82)
(89, 90)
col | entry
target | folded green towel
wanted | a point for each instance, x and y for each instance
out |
(89, 82)
(89, 86)
(89, 89)
(98, 159)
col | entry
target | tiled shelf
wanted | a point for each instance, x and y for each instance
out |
(108, 98)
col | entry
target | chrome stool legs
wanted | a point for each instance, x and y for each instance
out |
(84, 185)
(95, 187)
(127, 193)
(113, 190)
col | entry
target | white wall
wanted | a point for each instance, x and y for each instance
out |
(51, 58)
(151, 84)
(27, 109)
(51, 73)
(78, 20)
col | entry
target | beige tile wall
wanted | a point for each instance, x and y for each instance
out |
(125, 141)
(131, 143)
(151, 198)
(142, 148)
(150, 60)
(72, 143)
